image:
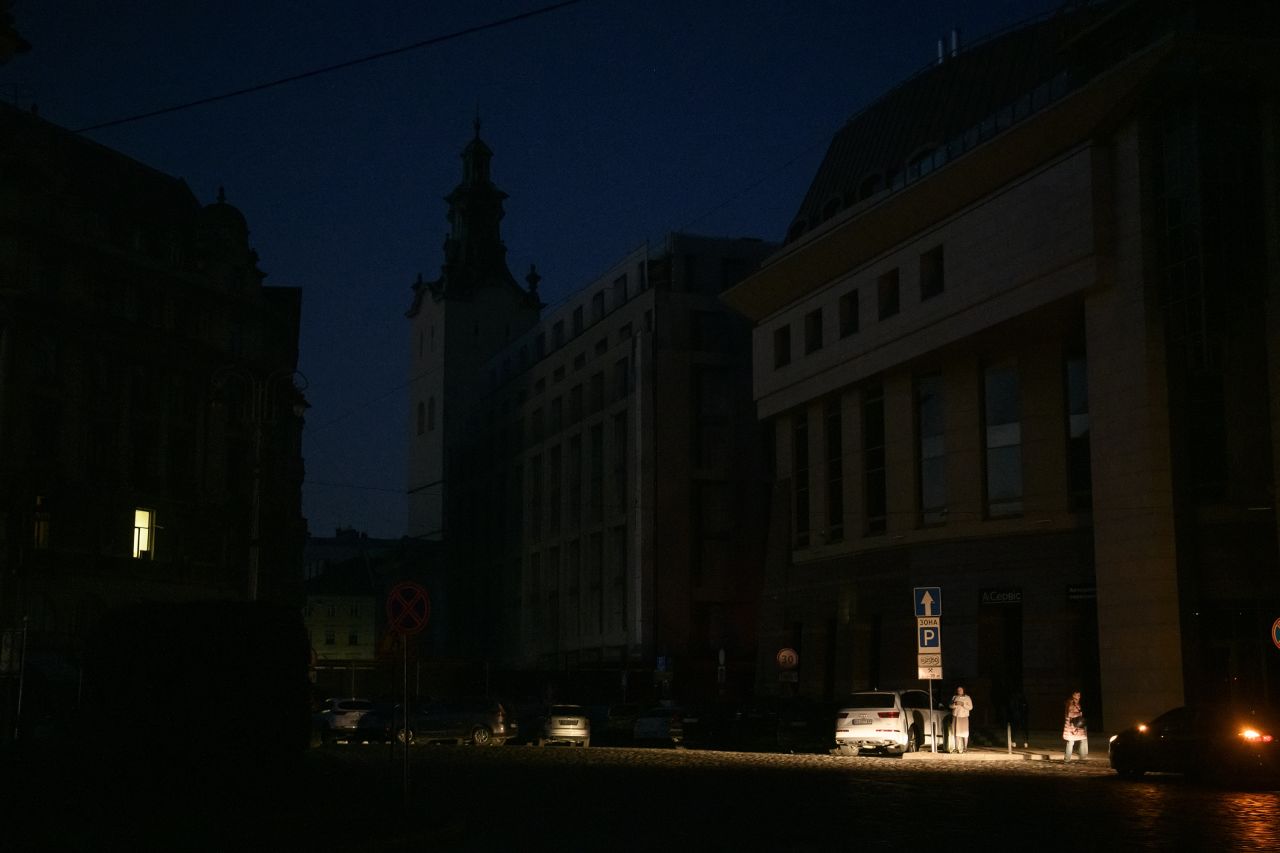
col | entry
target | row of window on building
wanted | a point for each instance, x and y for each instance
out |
(888, 304)
(1001, 445)
(331, 637)
(144, 530)
(582, 567)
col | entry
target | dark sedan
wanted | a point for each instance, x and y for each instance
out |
(1214, 742)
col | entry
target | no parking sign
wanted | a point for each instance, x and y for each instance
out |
(408, 608)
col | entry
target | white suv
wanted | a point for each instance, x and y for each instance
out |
(347, 719)
(889, 721)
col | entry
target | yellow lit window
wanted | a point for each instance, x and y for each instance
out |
(144, 534)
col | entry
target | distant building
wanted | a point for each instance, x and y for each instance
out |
(595, 472)
(349, 578)
(148, 403)
(1022, 344)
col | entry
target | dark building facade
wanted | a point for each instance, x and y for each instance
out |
(1022, 346)
(150, 405)
(593, 469)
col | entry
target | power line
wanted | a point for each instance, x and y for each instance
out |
(311, 482)
(362, 406)
(329, 68)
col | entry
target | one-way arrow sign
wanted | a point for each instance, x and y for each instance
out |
(928, 600)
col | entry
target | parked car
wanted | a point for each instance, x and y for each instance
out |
(480, 722)
(566, 724)
(1216, 742)
(927, 721)
(340, 719)
(661, 724)
(888, 721)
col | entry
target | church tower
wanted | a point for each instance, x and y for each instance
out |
(458, 322)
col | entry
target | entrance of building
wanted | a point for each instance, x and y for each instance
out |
(999, 651)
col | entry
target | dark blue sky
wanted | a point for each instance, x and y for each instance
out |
(612, 122)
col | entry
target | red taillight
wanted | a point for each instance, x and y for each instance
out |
(889, 715)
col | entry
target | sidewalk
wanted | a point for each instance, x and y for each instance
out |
(1042, 746)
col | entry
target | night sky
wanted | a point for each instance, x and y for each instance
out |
(612, 123)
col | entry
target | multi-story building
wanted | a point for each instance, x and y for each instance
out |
(349, 579)
(150, 417)
(594, 471)
(1022, 345)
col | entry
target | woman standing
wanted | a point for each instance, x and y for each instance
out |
(961, 708)
(1075, 728)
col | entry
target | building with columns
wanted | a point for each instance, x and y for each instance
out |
(1022, 345)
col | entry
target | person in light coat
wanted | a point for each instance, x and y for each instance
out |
(961, 708)
(1075, 729)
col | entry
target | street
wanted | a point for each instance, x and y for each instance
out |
(512, 798)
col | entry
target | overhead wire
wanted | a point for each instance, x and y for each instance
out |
(339, 66)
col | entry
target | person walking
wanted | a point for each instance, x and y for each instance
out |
(1075, 728)
(961, 708)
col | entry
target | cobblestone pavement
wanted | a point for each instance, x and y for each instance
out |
(353, 798)
(642, 799)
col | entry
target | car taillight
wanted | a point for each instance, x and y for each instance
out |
(889, 715)
(1255, 736)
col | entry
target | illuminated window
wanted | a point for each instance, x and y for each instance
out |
(144, 534)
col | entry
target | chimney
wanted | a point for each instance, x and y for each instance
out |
(955, 43)
(942, 52)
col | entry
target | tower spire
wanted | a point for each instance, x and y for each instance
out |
(474, 250)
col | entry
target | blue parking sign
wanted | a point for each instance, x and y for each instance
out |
(928, 600)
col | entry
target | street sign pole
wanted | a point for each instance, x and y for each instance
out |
(933, 726)
(404, 777)
(926, 601)
(408, 609)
